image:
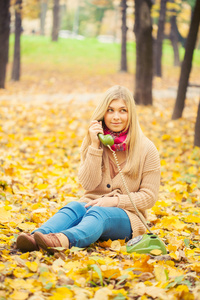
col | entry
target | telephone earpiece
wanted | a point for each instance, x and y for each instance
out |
(107, 140)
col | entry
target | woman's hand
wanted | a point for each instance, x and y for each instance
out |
(104, 202)
(94, 129)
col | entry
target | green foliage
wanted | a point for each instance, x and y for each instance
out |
(87, 14)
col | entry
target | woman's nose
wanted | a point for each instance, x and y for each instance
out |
(116, 115)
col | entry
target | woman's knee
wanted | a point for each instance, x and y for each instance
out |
(97, 211)
(74, 206)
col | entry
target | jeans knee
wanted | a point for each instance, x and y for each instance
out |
(96, 211)
(76, 207)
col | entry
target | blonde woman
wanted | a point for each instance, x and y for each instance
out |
(105, 211)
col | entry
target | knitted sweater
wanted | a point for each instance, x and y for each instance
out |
(98, 183)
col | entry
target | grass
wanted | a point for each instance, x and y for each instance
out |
(86, 66)
(88, 52)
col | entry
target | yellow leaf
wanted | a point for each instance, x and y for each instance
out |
(166, 137)
(62, 293)
(5, 215)
(111, 273)
(195, 267)
(105, 244)
(102, 293)
(174, 255)
(2, 266)
(192, 219)
(160, 273)
(33, 266)
(17, 295)
(28, 226)
(42, 186)
(19, 272)
(115, 245)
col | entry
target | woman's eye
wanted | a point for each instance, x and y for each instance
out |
(109, 110)
(124, 110)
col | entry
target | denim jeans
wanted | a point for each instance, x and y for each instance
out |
(84, 226)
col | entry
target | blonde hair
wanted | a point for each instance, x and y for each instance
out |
(134, 133)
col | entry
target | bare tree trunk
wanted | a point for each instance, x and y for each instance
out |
(174, 40)
(159, 41)
(18, 26)
(56, 20)
(99, 22)
(4, 39)
(197, 129)
(43, 12)
(187, 63)
(144, 52)
(124, 29)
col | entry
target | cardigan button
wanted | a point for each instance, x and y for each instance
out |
(108, 185)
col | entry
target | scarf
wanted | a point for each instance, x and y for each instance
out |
(119, 139)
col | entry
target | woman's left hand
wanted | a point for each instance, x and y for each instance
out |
(104, 202)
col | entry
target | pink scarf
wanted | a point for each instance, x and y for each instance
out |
(119, 139)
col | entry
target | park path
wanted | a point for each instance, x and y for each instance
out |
(170, 93)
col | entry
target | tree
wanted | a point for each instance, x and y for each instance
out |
(174, 37)
(187, 62)
(43, 11)
(18, 27)
(56, 20)
(4, 39)
(124, 29)
(159, 40)
(197, 129)
(144, 52)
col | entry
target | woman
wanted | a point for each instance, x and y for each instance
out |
(105, 211)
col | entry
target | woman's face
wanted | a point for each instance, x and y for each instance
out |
(116, 116)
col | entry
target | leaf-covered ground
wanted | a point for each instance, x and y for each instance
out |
(40, 156)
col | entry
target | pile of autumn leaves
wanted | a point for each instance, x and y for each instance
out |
(40, 156)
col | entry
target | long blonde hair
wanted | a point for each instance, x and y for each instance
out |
(134, 134)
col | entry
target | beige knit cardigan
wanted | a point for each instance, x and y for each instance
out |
(97, 182)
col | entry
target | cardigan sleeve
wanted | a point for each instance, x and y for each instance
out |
(90, 171)
(147, 193)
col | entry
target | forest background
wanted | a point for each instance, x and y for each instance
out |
(53, 80)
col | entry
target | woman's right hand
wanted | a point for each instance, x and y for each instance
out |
(94, 129)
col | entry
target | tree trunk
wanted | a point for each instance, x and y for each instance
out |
(160, 35)
(124, 29)
(197, 129)
(174, 40)
(18, 27)
(56, 20)
(144, 52)
(62, 13)
(187, 63)
(43, 12)
(100, 21)
(4, 39)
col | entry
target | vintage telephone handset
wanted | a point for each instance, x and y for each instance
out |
(142, 243)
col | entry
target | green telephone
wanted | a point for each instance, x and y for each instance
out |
(143, 243)
(107, 140)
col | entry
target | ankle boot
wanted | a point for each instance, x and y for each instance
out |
(47, 241)
(26, 243)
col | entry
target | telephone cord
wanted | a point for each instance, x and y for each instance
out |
(127, 190)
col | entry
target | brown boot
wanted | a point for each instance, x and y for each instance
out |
(47, 241)
(26, 243)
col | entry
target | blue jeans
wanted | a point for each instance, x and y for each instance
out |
(84, 226)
